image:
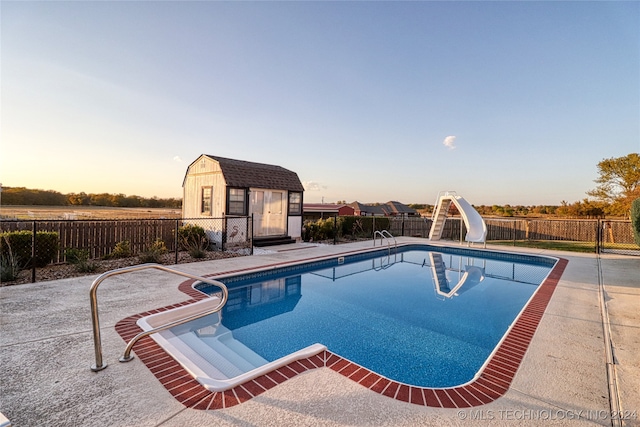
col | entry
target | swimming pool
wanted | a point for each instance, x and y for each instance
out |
(423, 316)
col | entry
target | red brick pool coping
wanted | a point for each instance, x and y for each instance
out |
(492, 383)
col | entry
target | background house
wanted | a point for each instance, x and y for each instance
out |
(387, 209)
(360, 209)
(399, 209)
(315, 211)
(216, 187)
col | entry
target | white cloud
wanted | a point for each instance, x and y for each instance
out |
(449, 142)
(313, 186)
(177, 159)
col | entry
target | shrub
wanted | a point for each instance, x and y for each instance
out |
(190, 235)
(322, 229)
(80, 258)
(198, 251)
(9, 266)
(196, 248)
(635, 219)
(194, 240)
(355, 226)
(154, 252)
(121, 250)
(47, 244)
(347, 226)
(74, 255)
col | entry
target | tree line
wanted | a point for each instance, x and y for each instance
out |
(582, 209)
(618, 186)
(30, 197)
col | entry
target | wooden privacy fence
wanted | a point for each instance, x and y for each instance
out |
(99, 237)
(598, 231)
(540, 229)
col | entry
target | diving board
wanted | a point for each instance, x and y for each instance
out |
(476, 227)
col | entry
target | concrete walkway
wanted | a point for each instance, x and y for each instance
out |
(46, 351)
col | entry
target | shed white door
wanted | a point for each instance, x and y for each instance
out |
(268, 209)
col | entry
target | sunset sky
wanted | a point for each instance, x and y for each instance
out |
(503, 102)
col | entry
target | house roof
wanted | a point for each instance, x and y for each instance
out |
(387, 209)
(325, 207)
(370, 209)
(321, 207)
(243, 174)
(397, 208)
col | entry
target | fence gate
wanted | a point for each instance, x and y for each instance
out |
(616, 237)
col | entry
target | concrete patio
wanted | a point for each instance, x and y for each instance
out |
(47, 350)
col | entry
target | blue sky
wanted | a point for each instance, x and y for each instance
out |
(503, 102)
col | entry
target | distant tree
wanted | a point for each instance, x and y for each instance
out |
(591, 208)
(618, 183)
(102, 199)
(153, 202)
(28, 197)
(80, 199)
(133, 202)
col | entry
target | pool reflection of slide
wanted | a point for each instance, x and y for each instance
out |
(471, 277)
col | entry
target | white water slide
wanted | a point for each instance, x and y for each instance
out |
(476, 228)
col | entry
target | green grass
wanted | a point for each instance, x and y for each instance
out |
(554, 245)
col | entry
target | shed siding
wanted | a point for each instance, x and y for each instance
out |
(294, 225)
(203, 173)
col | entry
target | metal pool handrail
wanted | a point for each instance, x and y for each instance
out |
(384, 234)
(127, 353)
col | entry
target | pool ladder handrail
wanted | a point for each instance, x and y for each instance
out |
(384, 234)
(126, 357)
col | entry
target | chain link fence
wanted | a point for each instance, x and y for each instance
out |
(40, 250)
(617, 237)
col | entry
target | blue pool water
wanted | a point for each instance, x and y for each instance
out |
(419, 317)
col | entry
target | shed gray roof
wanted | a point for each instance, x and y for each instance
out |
(243, 174)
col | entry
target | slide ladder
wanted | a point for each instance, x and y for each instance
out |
(439, 273)
(476, 227)
(439, 216)
(471, 276)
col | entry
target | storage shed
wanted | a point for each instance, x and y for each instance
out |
(216, 187)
